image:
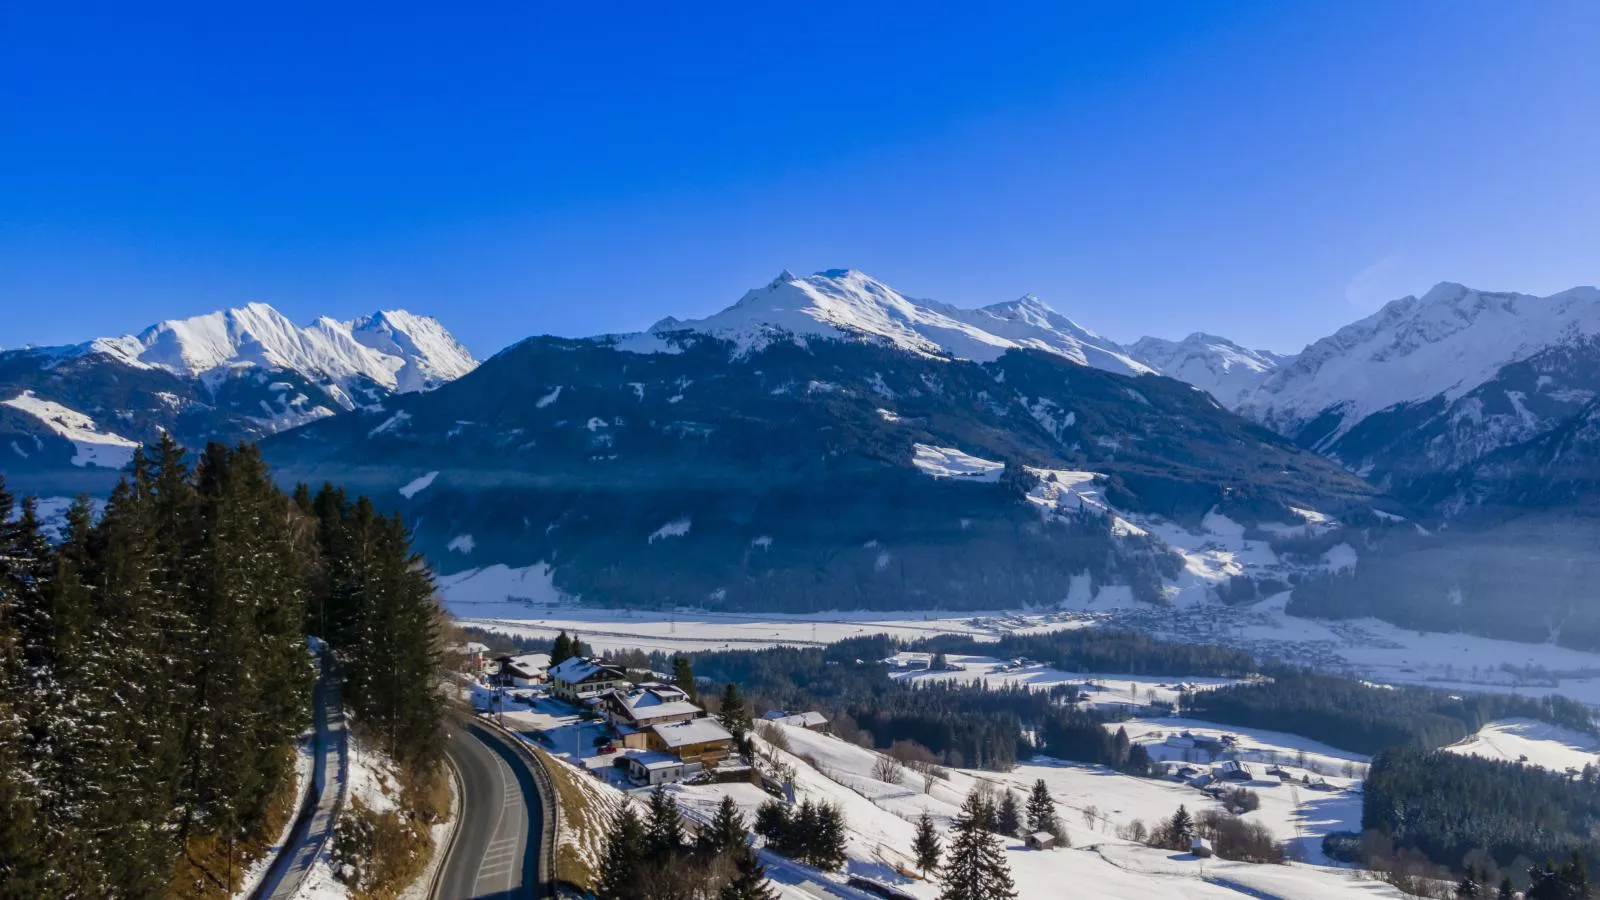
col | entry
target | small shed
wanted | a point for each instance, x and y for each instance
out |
(1040, 840)
(1200, 847)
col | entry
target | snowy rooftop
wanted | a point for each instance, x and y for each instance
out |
(698, 731)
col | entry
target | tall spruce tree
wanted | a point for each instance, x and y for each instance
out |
(663, 825)
(733, 714)
(1042, 809)
(726, 832)
(620, 863)
(562, 650)
(1007, 816)
(683, 677)
(749, 881)
(926, 845)
(975, 868)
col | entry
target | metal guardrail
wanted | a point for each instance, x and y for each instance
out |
(547, 804)
(455, 829)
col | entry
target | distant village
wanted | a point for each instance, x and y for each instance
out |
(631, 729)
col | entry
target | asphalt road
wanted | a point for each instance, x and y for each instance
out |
(314, 823)
(495, 855)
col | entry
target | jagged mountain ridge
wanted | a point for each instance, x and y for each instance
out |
(70, 416)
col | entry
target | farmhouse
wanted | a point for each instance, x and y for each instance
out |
(812, 721)
(578, 679)
(651, 767)
(646, 705)
(698, 740)
(525, 670)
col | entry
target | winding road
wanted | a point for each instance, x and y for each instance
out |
(330, 770)
(499, 843)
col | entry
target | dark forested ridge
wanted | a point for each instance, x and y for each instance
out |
(1354, 715)
(1447, 805)
(154, 670)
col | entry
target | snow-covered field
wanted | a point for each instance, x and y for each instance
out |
(92, 445)
(880, 817)
(1535, 743)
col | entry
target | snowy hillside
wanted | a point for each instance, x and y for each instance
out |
(879, 819)
(1446, 342)
(395, 349)
(847, 303)
(1213, 364)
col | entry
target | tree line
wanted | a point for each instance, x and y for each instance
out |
(154, 671)
(1353, 715)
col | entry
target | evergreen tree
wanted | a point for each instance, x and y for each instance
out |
(749, 881)
(975, 868)
(733, 714)
(1042, 809)
(1007, 817)
(620, 863)
(1182, 828)
(926, 845)
(1507, 890)
(726, 832)
(663, 826)
(683, 677)
(827, 850)
(562, 651)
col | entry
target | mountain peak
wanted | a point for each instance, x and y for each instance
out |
(850, 304)
(396, 349)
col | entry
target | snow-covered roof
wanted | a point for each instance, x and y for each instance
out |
(577, 669)
(653, 760)
(475, 647)
(694, 731)
(803, 720)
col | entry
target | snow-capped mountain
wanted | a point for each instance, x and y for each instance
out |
(1445, 343)
(845, 303)
(69, 412)
(1430, 384)
(394, 349)
(1214, 364)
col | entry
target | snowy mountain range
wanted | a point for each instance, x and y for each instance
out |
(69, 412)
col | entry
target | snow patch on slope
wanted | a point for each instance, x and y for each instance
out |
(92, 446)
(948, 462)
(416, 485)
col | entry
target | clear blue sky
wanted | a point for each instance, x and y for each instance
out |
(1266, 170)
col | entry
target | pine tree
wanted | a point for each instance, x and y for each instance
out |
(749, 881)
(733, 714)
(1182, 828)
(562, 651)
(683, 677)
(1007, 817)
(975, 868)
(1507, 890)
(926, 845)
(1042, 810)
(827, 850)
(726, 832)
(619, 865)
(663, 826)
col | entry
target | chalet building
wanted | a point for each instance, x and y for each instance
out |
(1232, 770)
(697, 740)
(579, 679)
(633, 711)
(524, 670)
(652, 768)
(1040, 840)
(811, 721)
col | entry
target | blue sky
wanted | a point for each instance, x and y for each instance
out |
(1269, 171)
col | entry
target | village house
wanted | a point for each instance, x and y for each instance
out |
(578, 679)
(631, 712)
(811, 721)
(1232, 770)
(697, 740)
(475, 655)
(523, 670)
(652, 768)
